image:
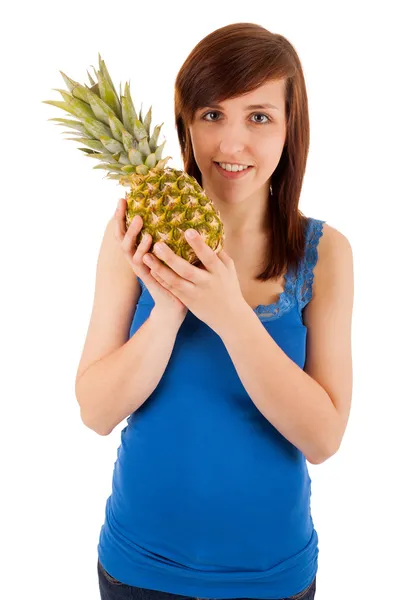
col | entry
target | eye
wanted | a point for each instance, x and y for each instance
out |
(262, 115)
(215, 112)
(209, 113)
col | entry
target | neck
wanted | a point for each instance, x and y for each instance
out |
(245, 218)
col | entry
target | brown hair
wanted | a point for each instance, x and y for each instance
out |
(232, 61)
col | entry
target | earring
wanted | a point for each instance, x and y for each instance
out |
(270, 190)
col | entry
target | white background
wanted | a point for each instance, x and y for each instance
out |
(56, 473)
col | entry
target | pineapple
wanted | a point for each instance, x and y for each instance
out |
(169, 200)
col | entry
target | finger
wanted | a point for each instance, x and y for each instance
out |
(131, 234)
(203, 252)
(143, 247)
(158, 278)
(171, 280)
(119, 220)
(225, 258)
(179, 265)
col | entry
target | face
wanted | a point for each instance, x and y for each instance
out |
(236, 134)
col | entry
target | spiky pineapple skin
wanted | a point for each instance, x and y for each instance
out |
(169, 202)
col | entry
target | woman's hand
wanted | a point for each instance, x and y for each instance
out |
(167, 306)
(212, 294)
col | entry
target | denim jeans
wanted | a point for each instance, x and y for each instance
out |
(112, 589)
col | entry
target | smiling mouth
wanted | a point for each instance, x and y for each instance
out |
(239, 165)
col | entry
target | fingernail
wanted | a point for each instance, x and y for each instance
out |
(160, 247)
(190, 234)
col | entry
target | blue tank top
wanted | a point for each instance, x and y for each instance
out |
(208, 499)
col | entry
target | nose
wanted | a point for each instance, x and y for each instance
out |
(232, 140)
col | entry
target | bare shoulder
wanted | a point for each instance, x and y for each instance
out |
(334, 254)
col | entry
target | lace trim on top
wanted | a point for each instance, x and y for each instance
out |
(287, 298)
(285, 301)
(306, 280)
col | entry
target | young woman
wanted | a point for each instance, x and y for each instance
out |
(231, 375)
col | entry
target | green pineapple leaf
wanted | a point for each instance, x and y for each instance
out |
(139, 131)
(160, 150)
(111, 144)
(161, 163)
(72, 124)
(151, 161)
(60, 104)
(154, 137)
(147, 121)
(112, 176)
(92, 81)
(116, 127)
(95, 144)
(135, 157)
(96, 128)
(104, 70)
(123, 158)
(129, 169)
(76, 107)
(76, 89)
(144, 147)
(100, 108)
(89, 151)
(107, 158)
(127, 140)
(108, 94)
(112, 167)
(129, 115)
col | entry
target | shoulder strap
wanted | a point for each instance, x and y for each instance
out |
(314, 231)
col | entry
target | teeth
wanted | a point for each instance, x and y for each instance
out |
(229, 167)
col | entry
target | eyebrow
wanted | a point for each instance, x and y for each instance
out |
(250, 107)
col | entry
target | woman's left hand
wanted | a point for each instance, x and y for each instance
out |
(212, 294)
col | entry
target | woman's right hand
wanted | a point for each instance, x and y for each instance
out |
(167, 307)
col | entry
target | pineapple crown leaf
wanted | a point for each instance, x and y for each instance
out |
(113, 167)
(151, 161)
(108, 94)
(77, 107)
(66, 122)
(139, 131)
(144, 147)
(129, 115)
(135, 157)
(159, 150)
(109, 124)
(104, 71)
(99, 107)
(88, 151)
(59, 104)
(154, 137)
(111, 144)
(96, 128)
(95, 144)
(147, 121)
(92, 81)
(76, 89)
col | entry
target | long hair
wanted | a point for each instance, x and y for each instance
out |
(227, 63)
